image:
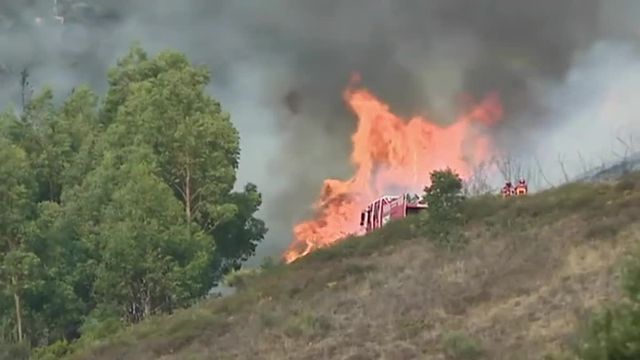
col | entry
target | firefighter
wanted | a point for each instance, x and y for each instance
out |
(522, 188)
(507, 189)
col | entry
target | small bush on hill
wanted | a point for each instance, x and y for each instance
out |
(268, 263)
(614, 333)
(57, 350)
(239, 278)
(460, 347)
(444, 219)
(308, 325)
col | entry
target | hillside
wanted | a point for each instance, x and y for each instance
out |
(533, 270)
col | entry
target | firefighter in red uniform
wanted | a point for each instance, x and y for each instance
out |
(507, 189)
(522, 188)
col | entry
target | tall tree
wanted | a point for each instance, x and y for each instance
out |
(59, 305)
(78, 121)
(54, 142)
(161, 102)
(131, 68)
(120, 209)
(195, 142)
(46, 144)
(18, 266)
(25, 89)
(147, 263)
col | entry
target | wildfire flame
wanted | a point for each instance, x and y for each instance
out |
(390, 154)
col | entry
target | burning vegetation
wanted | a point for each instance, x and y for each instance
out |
(393, 154)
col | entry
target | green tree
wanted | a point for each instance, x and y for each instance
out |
(20, 273)
(53, 140)
(11, 127)
(237, 238)
(165, 107)
(131, 68)
(444, 199)
(146, 263)
(161, 102)
(60, 144)
(18, 266)
(60, 304)
(78, 121)
(58, 141)
(445, 191)
(46, 145)
(118, 209)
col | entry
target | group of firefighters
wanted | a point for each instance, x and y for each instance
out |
(519, 190)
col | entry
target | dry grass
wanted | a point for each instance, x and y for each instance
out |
(532, 271)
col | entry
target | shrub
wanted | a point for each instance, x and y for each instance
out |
(445, 191)
(102, 322)
(268, 263)
(308, 325)
(240, 278)
(57, 350)
(614, 333)
(444, 219)
(458, 346)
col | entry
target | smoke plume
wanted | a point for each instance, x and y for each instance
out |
(280, 66)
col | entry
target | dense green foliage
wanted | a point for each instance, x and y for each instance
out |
(116, 210)
(445, 212)
(614, 332)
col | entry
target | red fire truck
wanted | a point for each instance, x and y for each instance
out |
(387, 208)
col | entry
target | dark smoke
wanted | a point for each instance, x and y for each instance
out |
(280, 66)
(293, 102)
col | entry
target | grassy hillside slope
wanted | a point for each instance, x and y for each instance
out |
(534, 268)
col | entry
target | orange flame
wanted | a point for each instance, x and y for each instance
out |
(391, 154)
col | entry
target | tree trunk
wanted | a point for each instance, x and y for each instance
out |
(52, 196)
(187, 195)
(16, 299)
(146, 293)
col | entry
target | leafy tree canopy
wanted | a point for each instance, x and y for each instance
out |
(116, 209)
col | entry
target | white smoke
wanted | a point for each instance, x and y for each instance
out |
(594, 117)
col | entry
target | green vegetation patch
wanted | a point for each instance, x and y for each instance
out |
(117, 210)
(458, 346)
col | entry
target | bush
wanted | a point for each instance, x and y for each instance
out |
(240, 278)
(444, 220)
(57, 350)
(460, 347)
(614, 333)
(308, 325)
(14, 351)
(268, 263)
(101, 323)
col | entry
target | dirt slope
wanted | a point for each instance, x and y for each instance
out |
(532, 271)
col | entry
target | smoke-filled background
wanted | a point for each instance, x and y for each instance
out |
(567, 72)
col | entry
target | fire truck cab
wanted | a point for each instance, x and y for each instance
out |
(384, 209)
